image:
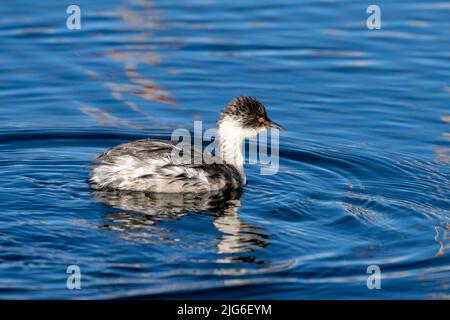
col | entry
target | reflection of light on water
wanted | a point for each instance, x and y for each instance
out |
(106, 118)
(267, 268)
(364, 215)
(356, 63)
(140, 52)
(35, 31)
(237, 236)
(442, 237)
(442, 230)
(118, 92)
(140, 20)
(418, 23)
(140, 214)
(444, 153)
(399, 35)
(140, 86)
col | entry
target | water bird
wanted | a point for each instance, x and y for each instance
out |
(149, 165)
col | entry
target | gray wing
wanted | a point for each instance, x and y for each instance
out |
(141, 149)
(150, 165)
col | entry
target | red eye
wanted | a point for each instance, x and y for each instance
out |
(260, 120)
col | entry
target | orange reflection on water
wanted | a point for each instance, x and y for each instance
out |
(139, 58)
(444, 153)
(141, 52)
(442, 237)
(107, 119)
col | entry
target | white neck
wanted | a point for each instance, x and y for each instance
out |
(231, 140)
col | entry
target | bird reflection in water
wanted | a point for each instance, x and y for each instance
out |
(139, 213)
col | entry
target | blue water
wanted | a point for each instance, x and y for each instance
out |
(364, 162)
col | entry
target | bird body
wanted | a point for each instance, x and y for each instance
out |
(152, 165)
(149, 165)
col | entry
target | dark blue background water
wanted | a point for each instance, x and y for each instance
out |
(364, 168)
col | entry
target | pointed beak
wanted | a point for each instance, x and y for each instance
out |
(273, 125)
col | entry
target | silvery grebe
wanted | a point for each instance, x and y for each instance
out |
(149, 165)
